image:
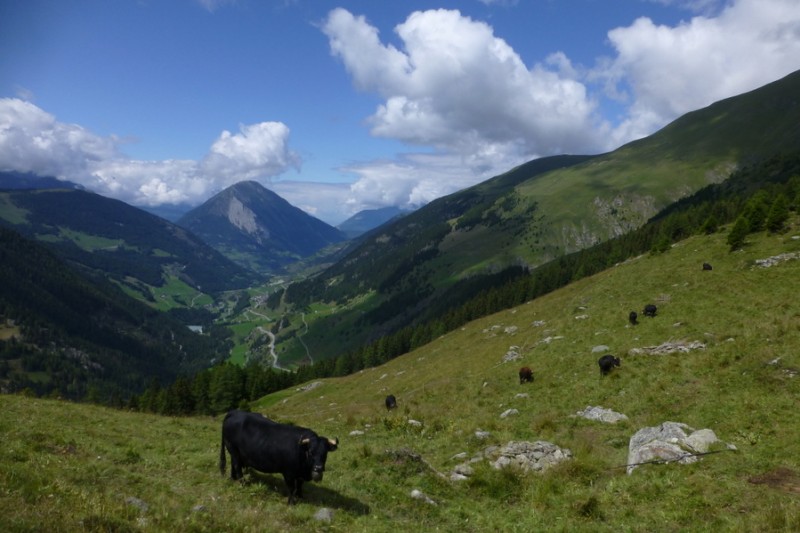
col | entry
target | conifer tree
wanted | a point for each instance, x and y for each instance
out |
(740, 230)
(778, 214)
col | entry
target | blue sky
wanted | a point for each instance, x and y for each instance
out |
(342, 106)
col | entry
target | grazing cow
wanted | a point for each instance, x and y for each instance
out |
(257, 442)
(607, 362)
(633, 317)
(650, 310)
(391, 402)
(706, 266)
(525, 375)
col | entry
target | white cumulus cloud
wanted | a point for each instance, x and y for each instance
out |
(668, 71)
(458, 87)
(452, 86)
(32, 140)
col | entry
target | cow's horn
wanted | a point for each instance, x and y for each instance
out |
(304, 441)
(333, 442)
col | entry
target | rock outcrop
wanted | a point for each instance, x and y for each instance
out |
(670, 442)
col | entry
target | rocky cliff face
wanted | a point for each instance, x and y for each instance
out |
(258, 229)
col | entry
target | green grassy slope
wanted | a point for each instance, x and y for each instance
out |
(540, 211)
(71, 467)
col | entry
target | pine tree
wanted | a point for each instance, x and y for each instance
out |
(711, 225)
(778, 214)
(756, 212)
(740, 230)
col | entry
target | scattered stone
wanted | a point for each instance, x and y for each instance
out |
(419, 495)
(776, 259)
(482, 435)
(510, 330)
(414, 423)
(548, 340)
(311, 386)
(600, 348)
(601, 415)
(199, 509)
(581, 317)
(668, 348)
(459, 456)
(669, 442)
(512, 354)
(530, 456)
(464, 469)
(521, 395)
(538, 323)
(356, 433)
(136, 502)
(509, 412)
(323, 515)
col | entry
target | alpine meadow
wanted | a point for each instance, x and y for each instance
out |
(127, 337)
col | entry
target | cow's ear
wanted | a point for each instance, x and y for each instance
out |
(304, 442)
(333, 444)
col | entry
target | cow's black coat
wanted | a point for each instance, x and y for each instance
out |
(606, 363)
(391, 402)
(525, 375)
(255, 441)
(650, 310)
(633, 317)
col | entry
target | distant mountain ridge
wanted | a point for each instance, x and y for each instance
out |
(258, 229)
(111, 238)
(369, 219)
(27, 180)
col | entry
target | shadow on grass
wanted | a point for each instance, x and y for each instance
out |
(313, 493)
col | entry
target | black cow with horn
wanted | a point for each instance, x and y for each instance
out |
(257, 442)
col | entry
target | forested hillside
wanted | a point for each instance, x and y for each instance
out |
(109, 238)
(759, 199)
(416, 268)
(65, 335)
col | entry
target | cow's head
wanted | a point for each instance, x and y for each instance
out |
(316, 452)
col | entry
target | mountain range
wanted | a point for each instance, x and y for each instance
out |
(369, 219)
(540, 211)
(106, 237)
(414, 267)
(258, 229)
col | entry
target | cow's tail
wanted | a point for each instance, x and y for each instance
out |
(222, 457)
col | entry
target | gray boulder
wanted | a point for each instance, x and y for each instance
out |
(601, 414)
(669, 442)
(530, 456)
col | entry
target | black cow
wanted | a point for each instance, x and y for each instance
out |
(525, 375)
(633, 317)
(706, 266)
(257, 442)
(607, 362)
(391, 402)
(650, 310)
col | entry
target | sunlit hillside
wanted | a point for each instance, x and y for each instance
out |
(70, 467)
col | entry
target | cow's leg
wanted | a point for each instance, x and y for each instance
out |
(295, 488)
(291, 484)
(236, 466)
